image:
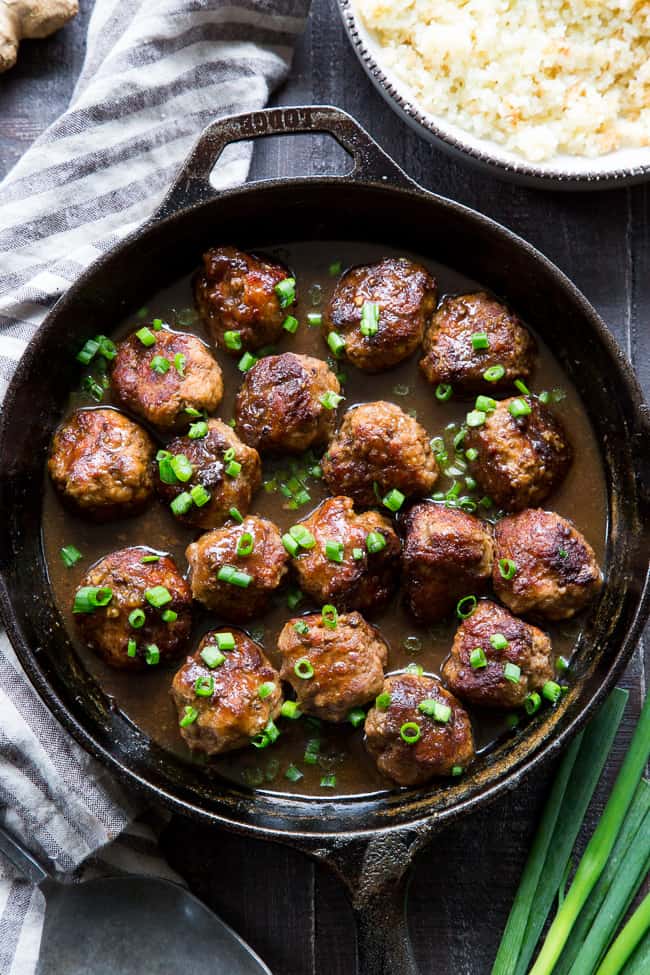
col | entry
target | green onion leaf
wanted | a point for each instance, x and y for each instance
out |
(357, 717)
(301, 627)
(519, 407)
(158, 596)
(265, 689)
(247, 362)
(303, 668)
(369, 318)
(199, 495)
(493, 374)
(286, 292)
(512, 672)
(466, 606)
(375, 542)
(232, 341)
(328, 781)
(235, 515)
(198, 430)
(477, 659)
(182, 503)
(89, 598)
(152, 654)
(189, 716)
(245, 544)
(336, 344)
(382, 701)
(507, 569)
(290, 710)
(146, 336)
(293, 774)
(393, 500)
(410, 732)
(314, 319)
(499, 642)
(137, 618)
(330, 616)
(70, 556)
(480, 341)
(204, 686)
(330, 400)
(444, 392)
(232, 575)
(290, 324)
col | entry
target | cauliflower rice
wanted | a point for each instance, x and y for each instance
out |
(540, 77)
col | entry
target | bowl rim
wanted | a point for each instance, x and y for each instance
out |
(436, 131)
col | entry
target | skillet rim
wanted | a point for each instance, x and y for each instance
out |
(573, 719)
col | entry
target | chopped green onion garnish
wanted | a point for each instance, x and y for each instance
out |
(551, 691)
(146, 336)
(147, 559)
(330, 400)
(477, 659)
(228, 573)
(480, 341)
(179, 364)
(435, 709)
(246, 362)
(522, 387)
(233, 469)
(198, 430)
(229, 455)
(532, 702)
(512, 672)
(265, 689)
(414, 668)
(475, 418)
(444, 392)
(169, 616)
(369, 318)
(89, 598)
(195, 414)
(225, 641)
(152, 654)
(212, 656)
(290, 544)
(89, 351)
(294, 598)
(499, 642)
(334, 550)
(286, 292)
(457, 770)
(562, 665)
(303, 668)
(290, 324)
(204, 686)
(519, 407)
(189, 717)
(335, 269)
(330, 617)
(356, 717)
(181, 504)
(314, 319)
(485, 404)
(293, 774)
(328, 781)
(199, 495)
(181, 467)
(357, 554)
(158, 596)
(410, 732)
(235, 515)
(131, 647)
(471, 453)
(303, 536)
(336, 344)
(245, 544)
(70, 556)
(466, 606)
(137, 618)
(290, 710)
(311, 751)
(232, 340)
(375, 542)
(393, 500)
(507, 569)
(301, 627)
(157, 324)
(493, 374)
(382, 701)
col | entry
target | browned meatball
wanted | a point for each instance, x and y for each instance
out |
(555, 569)
(225, 697)
(236, 292)
(237, 586)
(520, 459)
(162, 381)
(496, 659)
(287, 403)
(398, 296)
(447, 555)
(442, 746)
(379, 448)
(353, 561)
(145, 612)
(332, 669)
(449, 353)
(228, 470)
(100, 462)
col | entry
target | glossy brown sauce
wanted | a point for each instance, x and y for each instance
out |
(144, 697)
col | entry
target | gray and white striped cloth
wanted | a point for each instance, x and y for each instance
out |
(156, 72)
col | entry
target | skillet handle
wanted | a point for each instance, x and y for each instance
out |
(192, 185)
(376, 876)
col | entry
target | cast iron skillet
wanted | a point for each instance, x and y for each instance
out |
(369, 842)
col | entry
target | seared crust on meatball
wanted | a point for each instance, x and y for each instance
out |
(193, 381)
(209, 469)
(520, 460)
(379, 445)
(447, 555)
(556, 572)
(405, 294)
(441, 747)
(107, 629)
(348, 663)
(364, 578)
(100, 463)
(265, 568)
(527, 648)
(229, 710)
(279, 406)
(235, 292)
(450, 357)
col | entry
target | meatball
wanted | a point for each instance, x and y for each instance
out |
(352, 561)
(228, 470)
(235, 570)
(449, 353)
(144, 614)
(380, 311)
(379, 448)
(332, 668)
(519, 459)
(100, 462)
(543, 565)
(236, 292)
(496, 659)
(225, 697)
(447, 554)
(166, 382)
(287, 403)
(405, 708)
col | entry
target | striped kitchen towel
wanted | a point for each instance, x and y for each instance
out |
(156, 72)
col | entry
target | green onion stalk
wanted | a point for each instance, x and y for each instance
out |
(628, 939)
(599, 847)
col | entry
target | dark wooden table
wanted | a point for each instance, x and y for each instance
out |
(291, 911)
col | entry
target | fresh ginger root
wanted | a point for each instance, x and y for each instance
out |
(28, 19)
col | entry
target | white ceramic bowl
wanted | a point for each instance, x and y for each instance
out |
(621, 168)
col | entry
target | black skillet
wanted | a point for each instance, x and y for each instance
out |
(370, 842)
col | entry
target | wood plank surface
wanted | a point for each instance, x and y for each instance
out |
(294, 913)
